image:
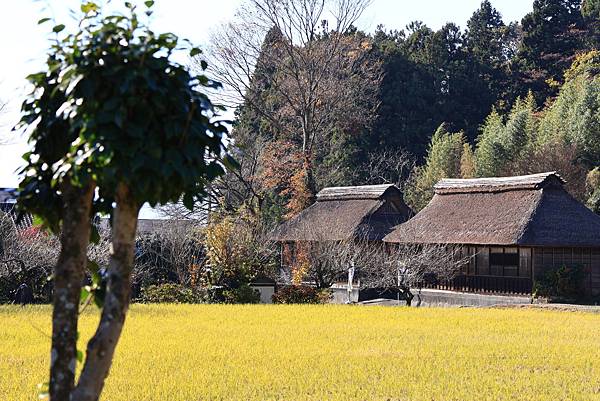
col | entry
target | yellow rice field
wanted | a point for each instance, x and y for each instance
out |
(264, 352)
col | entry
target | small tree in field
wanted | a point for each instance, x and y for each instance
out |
(113, 123)
(404, 267)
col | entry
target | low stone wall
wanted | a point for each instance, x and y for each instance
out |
(339, 294)
(451, 298)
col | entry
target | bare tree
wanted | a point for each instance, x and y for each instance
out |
(555, 156)
(28, 256)
(323, 260)
(29, 253)
(320, 76)
(404, 267)
(168, 253)
(4, 138)
(327, 262)
(386, 167)
(238, 187)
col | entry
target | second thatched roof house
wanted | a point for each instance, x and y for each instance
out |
(340, 213)
(516, 228)
(367, 212)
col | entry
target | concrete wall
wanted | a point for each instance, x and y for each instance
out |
(266, 293)
(340, 294)
(452, 298)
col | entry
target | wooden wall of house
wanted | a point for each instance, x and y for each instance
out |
(481, 262)
(549, 258)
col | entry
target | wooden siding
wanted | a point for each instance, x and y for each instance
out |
(550, 258)
(477, 275)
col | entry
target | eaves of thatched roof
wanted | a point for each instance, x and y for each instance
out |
(532, 210)
(342, 213)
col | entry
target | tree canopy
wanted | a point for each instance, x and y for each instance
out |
(113, 122)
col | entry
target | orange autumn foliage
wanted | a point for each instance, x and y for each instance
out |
(285, 170)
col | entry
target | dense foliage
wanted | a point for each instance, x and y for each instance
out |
(564, 136)
(113, 122)
(301, 294)
(563, 283)
(171, 293)
(495, 98)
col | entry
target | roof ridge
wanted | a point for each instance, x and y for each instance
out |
(354, 192)
(496, 184)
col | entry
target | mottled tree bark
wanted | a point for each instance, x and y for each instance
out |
(101, 347)
(68, 277)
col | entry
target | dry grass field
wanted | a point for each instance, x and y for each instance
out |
(212, 352)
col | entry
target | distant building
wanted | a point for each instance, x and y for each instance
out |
(8, 203)
(8, 198)
(367, 212)
(515, 228)
(341, 213)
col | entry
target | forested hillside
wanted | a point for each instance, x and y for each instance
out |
(325, 104)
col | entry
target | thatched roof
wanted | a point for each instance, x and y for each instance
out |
(341, 213)
(497, 184)
(533, 210)
(346, 193)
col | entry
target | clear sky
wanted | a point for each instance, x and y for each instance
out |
(23, 42)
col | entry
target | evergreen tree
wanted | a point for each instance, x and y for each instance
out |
(490, 45)
(501, 146)
(552, 34)
(490, 152)
(484, 36)
(575, 115)
(408, 111)
(590, 9)
(444, 160)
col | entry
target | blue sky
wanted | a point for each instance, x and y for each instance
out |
(23, 42)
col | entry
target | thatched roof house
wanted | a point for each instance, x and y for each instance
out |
(517, 226)
(340, 213)
(531, 210)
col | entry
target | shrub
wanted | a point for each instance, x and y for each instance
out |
(563, 282)
(237, 251)
(301, 294)
(171, 293)
(244, 294)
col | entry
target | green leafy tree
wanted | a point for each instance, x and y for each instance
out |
(552, 34)
(484, 35)
(408, 112)
(490, 45)
(575, 115)
(113, 123)
(490, 152)
(444, 160)
(590, 9)
(501, 146)
(593, 187)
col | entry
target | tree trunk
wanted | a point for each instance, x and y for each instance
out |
(68, 278)
(408, 295)
(311, 186)
(101, 347)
